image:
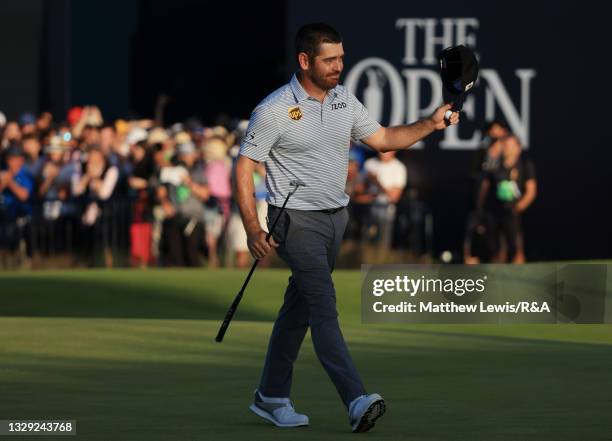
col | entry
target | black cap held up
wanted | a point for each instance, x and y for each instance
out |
(459, 71)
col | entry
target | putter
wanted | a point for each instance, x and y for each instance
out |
(234, 306)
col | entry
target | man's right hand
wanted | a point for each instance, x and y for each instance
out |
(257, 244)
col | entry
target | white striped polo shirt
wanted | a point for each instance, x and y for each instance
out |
(301, 138)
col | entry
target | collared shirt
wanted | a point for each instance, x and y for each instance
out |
(389, 174)
(300, 138)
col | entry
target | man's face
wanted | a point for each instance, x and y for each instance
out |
(188, 159)
(56, 156)
(107, 137)
(31, 147)
(497, 132)
(138, 152)
(12, 132)
(14, 163)
(159, 158)
(512, 148)
(325, 69)
(91, 135)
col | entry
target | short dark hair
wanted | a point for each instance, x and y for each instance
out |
(309, 37)
(108, 125)
(495, 122)
(29, 136)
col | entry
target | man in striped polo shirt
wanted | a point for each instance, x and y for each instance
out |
(303, 131)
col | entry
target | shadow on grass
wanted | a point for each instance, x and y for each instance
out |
(493, 393)
(477, 337)
(105, 298)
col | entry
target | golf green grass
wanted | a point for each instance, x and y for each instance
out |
(131, 355)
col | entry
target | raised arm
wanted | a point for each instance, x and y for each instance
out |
(387, 139)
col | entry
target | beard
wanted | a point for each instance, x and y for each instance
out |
(325, 81)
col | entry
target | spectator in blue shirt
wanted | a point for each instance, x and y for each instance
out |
(16, 185)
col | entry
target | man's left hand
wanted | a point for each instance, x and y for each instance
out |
(438, 117)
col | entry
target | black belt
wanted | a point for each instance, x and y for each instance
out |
(329, 210)
(326, 210)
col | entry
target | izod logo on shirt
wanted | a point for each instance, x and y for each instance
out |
(295, 113)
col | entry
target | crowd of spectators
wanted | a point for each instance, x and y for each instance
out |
(98, 191)
(101, 192)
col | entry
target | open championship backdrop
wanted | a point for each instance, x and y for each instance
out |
(542, 71)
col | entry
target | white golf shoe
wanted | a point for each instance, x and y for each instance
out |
(364, 411)
(279, 411)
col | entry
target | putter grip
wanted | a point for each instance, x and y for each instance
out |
(228, 317)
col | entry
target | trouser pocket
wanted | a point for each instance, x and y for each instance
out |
(282, 225)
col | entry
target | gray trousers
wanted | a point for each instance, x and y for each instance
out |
(309, 242)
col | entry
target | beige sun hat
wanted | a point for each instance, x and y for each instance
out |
(157, 136)
(215, 149)
(182, 138)
(56, 145)
(219, 131)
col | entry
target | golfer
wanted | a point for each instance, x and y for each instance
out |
(302, 131)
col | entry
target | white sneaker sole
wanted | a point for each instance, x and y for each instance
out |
(265, 415)
(369, 417)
